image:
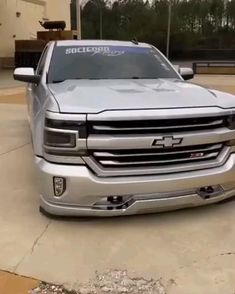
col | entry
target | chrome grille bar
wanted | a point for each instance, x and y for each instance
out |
(149, 158)
(162, 128)
(133, 154)
(142, 170)
(152, 162)
(156, 125)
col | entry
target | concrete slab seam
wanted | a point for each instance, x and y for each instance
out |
(206, 259)
(40, 236)
(15, 149)
(32, 248)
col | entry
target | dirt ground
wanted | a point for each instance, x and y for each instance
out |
(224, 83)
(13, 284)
(13, 96)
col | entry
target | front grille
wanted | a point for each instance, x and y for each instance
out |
(162, 126)
(114, 148)
(117, 159)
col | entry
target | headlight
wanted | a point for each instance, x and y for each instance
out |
(64, 124)
(59, 139)
(65, 137)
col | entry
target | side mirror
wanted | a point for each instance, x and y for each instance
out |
(26, 74)
(186, 73)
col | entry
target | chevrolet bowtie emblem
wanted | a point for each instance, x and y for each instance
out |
(167, 142)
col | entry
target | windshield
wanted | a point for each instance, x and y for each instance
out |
(109, 62)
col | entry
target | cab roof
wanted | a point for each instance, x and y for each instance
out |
(101, 43)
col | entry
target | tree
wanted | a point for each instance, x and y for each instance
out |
(195, 23)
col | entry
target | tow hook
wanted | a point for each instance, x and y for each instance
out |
(208, 192)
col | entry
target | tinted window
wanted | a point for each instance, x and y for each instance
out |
(109, 62)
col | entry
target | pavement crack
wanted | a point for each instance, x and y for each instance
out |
(39, 237)
(206, 259)
(19, 263)
(15, 149)
(227, 253)
(32, 248)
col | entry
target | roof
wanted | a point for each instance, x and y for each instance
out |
(100, 43)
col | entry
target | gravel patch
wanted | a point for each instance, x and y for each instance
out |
(115, 282)
(45, 288)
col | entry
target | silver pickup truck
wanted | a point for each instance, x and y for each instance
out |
(117, 131)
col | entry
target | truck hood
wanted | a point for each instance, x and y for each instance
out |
(95, 96)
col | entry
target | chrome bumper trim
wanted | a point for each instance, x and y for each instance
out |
(137, 207)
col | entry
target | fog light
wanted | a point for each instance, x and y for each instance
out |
(59, 186)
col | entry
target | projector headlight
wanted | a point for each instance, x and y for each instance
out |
(61, 137)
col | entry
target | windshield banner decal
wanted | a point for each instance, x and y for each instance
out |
(107, 50)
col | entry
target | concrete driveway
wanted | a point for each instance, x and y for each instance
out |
(189, 251)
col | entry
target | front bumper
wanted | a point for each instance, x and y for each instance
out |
(144, 194)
